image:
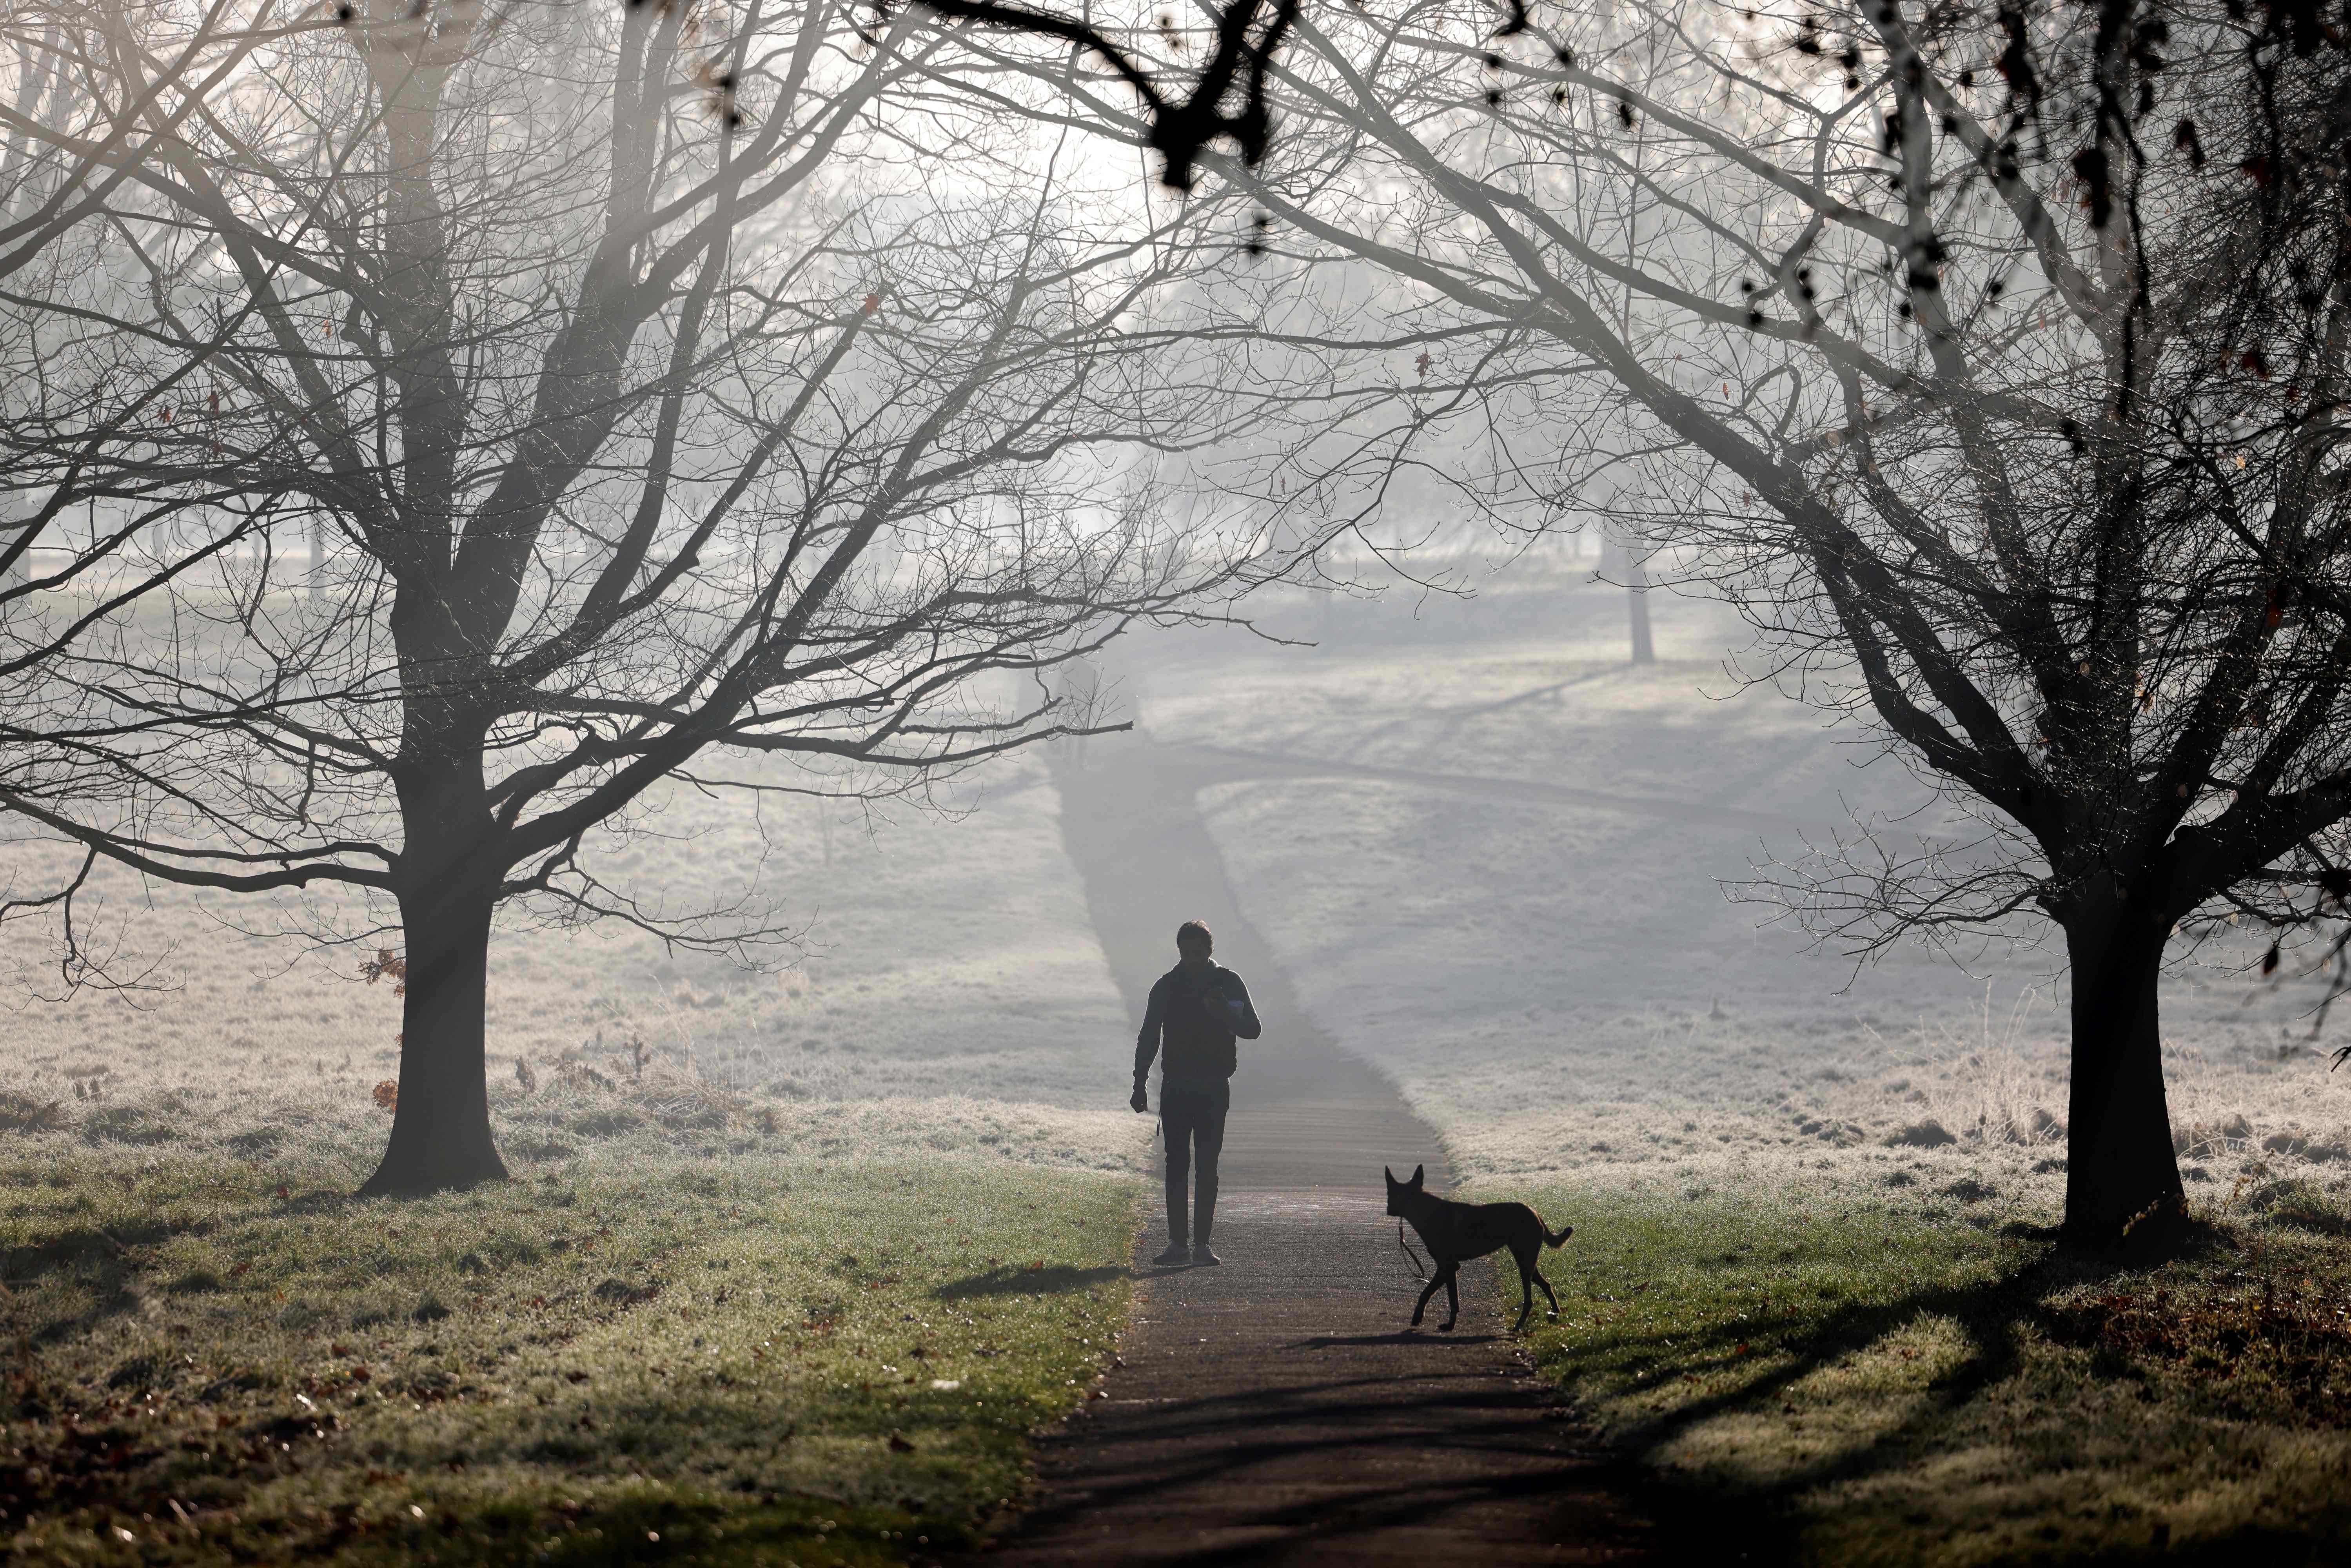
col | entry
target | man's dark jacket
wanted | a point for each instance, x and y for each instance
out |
(1198, 1022)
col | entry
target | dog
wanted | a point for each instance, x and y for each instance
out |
(1456, 1232)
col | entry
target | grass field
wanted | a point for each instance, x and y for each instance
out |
(1889, 1386)
(638, 1360)
(792, 1266)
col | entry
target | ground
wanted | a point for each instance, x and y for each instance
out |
(630, 1361)
(795, 1261)
(1812, 1271)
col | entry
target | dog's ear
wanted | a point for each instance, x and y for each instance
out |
(1390, 1175)
(1415, 1175)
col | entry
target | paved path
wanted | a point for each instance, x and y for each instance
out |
(1272, 1411)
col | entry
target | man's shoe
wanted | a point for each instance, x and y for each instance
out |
(1175, 1257)
(1202, 1256)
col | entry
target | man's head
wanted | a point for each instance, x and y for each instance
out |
(1194, 943)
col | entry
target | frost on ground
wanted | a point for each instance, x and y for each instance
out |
(1561, 984)
(952, 998)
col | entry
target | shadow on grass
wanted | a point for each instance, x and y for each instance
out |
(101, 1259)
(1988, 1311)
(322, 1200)
(79, 1247)
(1021, 1280)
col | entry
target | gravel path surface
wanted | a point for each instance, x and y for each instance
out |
(1275, 1409)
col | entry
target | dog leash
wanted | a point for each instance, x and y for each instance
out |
(1419, 1269)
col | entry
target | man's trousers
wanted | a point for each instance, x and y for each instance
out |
(1191, 1124)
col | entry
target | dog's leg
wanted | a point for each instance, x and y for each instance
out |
(1421, 1306)
(1527, 1276)
(1452, 1298)
(1547, 1295)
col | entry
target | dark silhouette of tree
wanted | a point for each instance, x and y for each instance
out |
(1992, 359)
(1248, 38)
(1227, 100)
(473, 418)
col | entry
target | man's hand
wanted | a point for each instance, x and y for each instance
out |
(1139, 1100)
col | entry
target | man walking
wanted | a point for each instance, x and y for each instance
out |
(1198, 1009)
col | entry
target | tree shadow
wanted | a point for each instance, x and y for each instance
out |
(1020, 1279)
(81, 1246)
(1358, 1458)
(102, 1261)
(1989, 1311)
(322, 1200)
(1401, 1336)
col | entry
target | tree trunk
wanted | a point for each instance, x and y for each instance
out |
(2122, 1180)
(440, 1128)
(1637, 595)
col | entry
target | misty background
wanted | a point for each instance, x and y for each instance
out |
(1493, 854)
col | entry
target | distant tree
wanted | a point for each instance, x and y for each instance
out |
(1629, 564)
(1994, 359)
(666, 381)
(67, 151)
(64, 154)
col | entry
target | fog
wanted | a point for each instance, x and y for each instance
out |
(1492, 855)
(1569, 984)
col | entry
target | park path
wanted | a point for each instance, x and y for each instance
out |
(1270, 1411)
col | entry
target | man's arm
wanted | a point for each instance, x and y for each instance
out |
(1147, 1044)
(1246, 1024)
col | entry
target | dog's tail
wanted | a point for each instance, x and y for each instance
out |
(1553, 1240)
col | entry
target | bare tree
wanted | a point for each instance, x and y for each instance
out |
(63, 154)
(66, 151)
(666, 382)
(1629, 563)
(1994, 362)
